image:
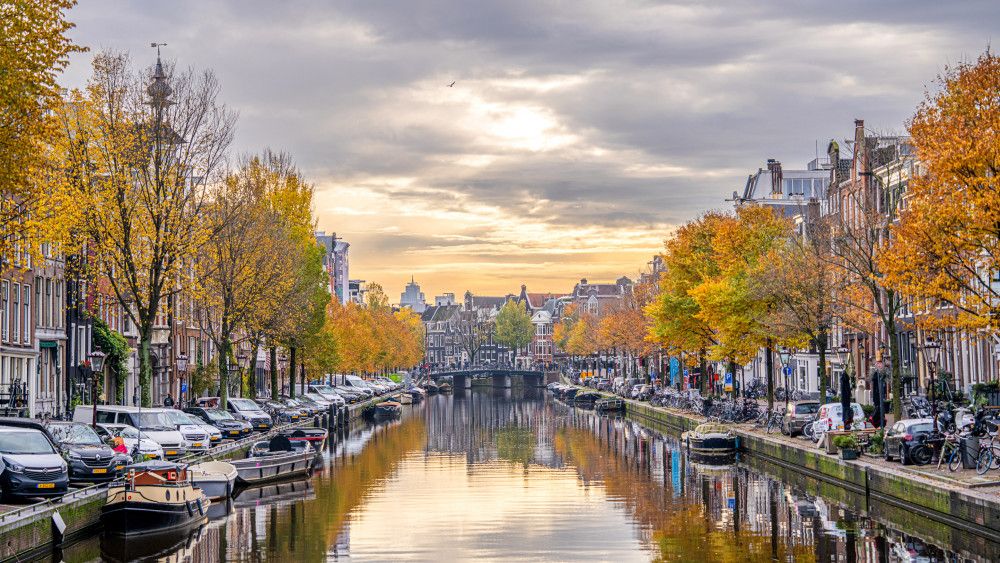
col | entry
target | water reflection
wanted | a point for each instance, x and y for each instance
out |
(501, 474)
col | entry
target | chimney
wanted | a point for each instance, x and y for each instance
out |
(775, 168)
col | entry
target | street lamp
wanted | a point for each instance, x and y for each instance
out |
(785, 355)
(96, 367)
(181, 361)
(932, 350)
(847, 367)
(243, 362)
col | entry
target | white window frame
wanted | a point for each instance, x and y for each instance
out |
(15, 318)
(5, 321)
(26, 304)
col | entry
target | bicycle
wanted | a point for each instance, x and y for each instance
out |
(951, 449)
(988, 457)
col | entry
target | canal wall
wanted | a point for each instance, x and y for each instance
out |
(910, 499)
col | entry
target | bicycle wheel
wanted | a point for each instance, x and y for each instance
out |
(921, 455)
(994, 457)
(955, 459)
(984, 460)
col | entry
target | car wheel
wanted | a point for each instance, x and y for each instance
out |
(902, 456)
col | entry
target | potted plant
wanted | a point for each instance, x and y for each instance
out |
(848, 446)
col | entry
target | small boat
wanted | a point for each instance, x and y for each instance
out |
(216, 479)
(610, 404)
(445, 387)
(385, 410)
(711, 442)
(154, 497)
(403, 398)
(429, 387)
(315, 436)
(273, 460)
(586, 398)
(417, 394)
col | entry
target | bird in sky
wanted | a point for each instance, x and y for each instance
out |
(452, 84)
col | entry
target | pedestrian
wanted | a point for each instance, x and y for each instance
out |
(168, 401)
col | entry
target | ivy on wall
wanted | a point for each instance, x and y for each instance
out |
(116, 349)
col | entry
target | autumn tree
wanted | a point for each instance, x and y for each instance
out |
(732, 302)
(801, 280)
(141, 152)
(513, 326)
(945, 249)
(689, 260)
(34, 50)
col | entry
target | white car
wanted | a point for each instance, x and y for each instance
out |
(214, 434)
(830, 418)
(195, 437)
(148, 448)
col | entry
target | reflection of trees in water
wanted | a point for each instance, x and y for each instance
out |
(732, 513)
(305, 531)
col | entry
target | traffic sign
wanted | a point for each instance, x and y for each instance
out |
(184, 387)
(788, 370)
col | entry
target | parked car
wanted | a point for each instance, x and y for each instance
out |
(90, 460)
(139, 445)
(325, 401)
(278, 411)
(304, 409)
(150, 421)
(355, 382)
(903, 436)
(245, 409)
(213, 431)
(830, 418)
(227, 424)
(798, 415)
(30, 464)
(332, 395)
(196, 438)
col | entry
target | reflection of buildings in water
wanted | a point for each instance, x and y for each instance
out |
(487, 425)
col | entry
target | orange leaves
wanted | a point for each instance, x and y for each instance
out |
(370, 339)
(946, 246)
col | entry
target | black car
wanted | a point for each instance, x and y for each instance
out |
(226, 423)
(30, 464)
(90, 459)
(904, 436)
(280, 412)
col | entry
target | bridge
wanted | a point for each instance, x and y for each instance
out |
(462, 378)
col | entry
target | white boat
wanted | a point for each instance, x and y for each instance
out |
(216, 479)
(404, 399)
(273, 460)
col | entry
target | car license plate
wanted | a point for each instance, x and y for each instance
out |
(101, 470)
(214, 438)
(46, 485)
(234, 432)
(171, 452)
(261, 426)
(197, 444)
(119, 467)
(150, 456)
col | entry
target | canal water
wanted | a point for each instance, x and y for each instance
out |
(515, 475)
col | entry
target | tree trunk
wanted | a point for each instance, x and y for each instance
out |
(703, 371)
(145, 367)
(274, 372)
(732, 370)
(291, 373)
(821, 341)
(302, 376)
(224, 372)
(897, 378)
(769, 367)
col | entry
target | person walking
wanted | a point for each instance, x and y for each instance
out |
(168, 401)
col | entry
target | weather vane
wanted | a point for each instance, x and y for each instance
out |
(157, 45)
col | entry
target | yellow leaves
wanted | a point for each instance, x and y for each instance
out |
(513, 325)
(372, 339)
(34, 49)
(946, 246)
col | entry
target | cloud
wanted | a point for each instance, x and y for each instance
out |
(576, 136)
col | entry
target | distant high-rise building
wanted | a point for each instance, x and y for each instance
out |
(356, 291)
(412, 297)
(335, 263)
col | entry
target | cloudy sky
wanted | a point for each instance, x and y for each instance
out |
(577, 134)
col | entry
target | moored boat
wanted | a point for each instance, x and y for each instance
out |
(154, 497)
(216, 479)
(711, 442)
(385, 410)
(417, 394)
(403, 398)
(445, 387)
(273, 460)
(315, 436)
(429, 387)
(610, 404)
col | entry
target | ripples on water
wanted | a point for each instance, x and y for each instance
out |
(487, 477)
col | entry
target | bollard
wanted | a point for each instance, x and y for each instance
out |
(333, 413)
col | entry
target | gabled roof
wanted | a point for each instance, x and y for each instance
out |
(538, 300)
(436, 313)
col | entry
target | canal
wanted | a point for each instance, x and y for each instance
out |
(515, 475)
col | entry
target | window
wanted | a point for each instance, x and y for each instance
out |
(26, 335)
(38, 302)
(48, 303)
(57, 305)
(15, 321)
(5, 321)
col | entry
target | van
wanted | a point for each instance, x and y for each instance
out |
(151, 422)
(830, 419)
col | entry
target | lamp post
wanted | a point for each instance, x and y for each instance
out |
(96, 368)
(243, 361)
(234, 372)
(847, 363)
(182, 362)
(932, 349)
(785, 355)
